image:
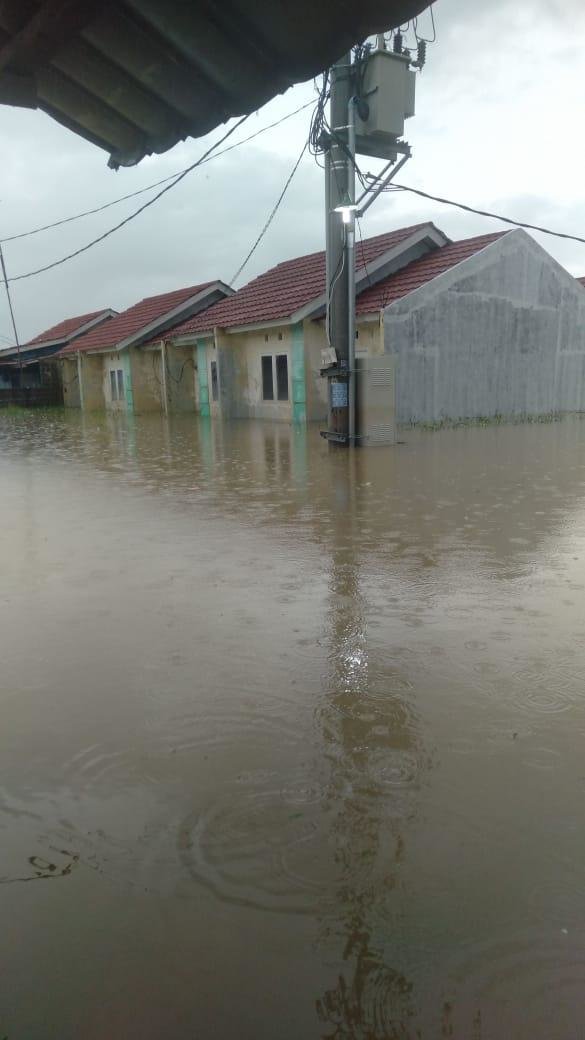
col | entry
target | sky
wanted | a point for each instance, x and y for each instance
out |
(498, 126)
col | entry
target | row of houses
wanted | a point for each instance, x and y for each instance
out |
(490, 325)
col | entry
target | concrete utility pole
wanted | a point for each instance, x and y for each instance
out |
(374, 124)
(337, 182)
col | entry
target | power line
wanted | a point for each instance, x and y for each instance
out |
(156, 184)
(272, 214)
(9, 298)
(363, 256)
(487, 213)
(122, 223)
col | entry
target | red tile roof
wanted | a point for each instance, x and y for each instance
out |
(286, 288)
(421, 271)
(131, 321)
(65, 329)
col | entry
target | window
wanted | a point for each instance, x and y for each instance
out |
(214, 382)
(267, 380)
(117, 384)
(282, 377)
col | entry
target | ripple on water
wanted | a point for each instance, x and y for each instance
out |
(546, 686)
(271, 723)
(395, 767)
(101, 764)
(543, 699)
(388, 702)
(544, 759)
(522, 981)
(262, 844)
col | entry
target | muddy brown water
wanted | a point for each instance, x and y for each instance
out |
(292, 743)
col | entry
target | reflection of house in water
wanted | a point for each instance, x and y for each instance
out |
(427, 501)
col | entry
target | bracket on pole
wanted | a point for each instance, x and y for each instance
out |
(381, 181)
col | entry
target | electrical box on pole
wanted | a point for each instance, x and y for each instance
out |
(385, 92)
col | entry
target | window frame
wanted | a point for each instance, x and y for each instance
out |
(266, 369)
(121, 384)
(113, 384)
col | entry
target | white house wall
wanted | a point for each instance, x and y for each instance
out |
(502, 333)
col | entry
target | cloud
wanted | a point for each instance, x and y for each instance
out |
(499, 111)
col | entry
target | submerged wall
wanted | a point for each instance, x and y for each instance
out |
(145, 379)
(91, 382)
(70, 381)
(502, 333)
(180, 380)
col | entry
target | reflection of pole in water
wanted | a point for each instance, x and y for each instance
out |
(374, 751)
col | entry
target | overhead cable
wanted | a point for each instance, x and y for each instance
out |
(156, 184)
(136, 213)
(272, 214)
(487, 213)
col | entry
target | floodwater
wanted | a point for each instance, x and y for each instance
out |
(292, 741)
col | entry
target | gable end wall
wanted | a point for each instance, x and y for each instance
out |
(502, 333)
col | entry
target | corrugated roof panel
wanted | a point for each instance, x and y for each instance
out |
(136, 76)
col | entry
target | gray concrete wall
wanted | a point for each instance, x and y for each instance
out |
(502, 333)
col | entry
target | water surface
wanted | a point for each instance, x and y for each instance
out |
(291, 741)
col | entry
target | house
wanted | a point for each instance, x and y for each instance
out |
(258, 352)
(121, 365)
(29, 368)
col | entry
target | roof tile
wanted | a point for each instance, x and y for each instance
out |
(132, 320)
(64, 330)
(421, 271)
(284, 289)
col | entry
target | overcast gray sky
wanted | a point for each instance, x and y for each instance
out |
(499, 125)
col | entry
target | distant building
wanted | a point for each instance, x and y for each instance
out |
(29, 367)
